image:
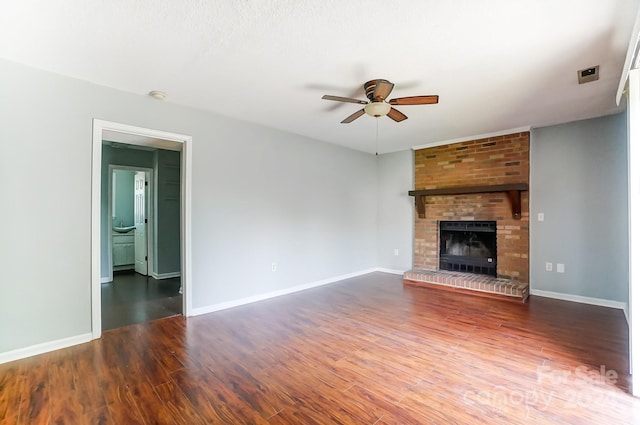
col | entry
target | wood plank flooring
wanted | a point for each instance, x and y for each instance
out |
(134, 298)
(364, 351)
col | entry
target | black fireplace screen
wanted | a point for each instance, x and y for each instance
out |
(468, 246)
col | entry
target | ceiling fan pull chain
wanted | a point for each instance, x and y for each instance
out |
(377, 121)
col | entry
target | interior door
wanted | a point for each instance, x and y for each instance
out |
(140, 221)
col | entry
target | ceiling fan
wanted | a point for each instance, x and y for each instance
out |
(377, 91)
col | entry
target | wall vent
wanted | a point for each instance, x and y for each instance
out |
(589, 74)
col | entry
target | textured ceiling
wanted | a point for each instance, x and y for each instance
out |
(496, 64)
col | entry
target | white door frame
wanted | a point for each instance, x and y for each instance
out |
(149, 212)
(154, 138)
(633, 147)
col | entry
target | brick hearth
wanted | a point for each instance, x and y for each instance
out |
(485, 162)
(483, 285)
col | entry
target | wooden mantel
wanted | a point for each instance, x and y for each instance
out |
(513, 191)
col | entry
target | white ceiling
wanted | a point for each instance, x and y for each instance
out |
(496, 64)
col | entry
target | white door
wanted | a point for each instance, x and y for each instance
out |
(140, 220)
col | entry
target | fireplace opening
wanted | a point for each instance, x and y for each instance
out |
(468, 246)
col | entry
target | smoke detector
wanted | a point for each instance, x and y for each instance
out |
(589, 74)
(157, 94)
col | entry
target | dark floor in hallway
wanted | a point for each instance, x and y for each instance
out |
(133, 298)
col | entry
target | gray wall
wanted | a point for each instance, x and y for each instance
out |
(579, 182)
(259, 196)
(263, 197)
(395, 210)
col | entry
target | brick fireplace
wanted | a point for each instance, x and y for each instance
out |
(484, 180)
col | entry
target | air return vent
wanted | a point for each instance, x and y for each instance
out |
(589, 74)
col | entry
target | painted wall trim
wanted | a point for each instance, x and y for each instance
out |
(390, 271)
(583, 300)
(632, 55)
(476, 137)
(45, 347)
(626, 314)
(261, 297)
(160, 276)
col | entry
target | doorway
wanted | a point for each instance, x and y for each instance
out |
(101, 233)
(131, 294)
(131, 220)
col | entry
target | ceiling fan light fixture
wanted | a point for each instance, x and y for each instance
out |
(377, 109)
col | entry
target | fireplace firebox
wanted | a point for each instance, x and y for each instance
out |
(468, 246)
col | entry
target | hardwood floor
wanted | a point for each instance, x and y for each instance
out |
(364, 351)
(134, 298)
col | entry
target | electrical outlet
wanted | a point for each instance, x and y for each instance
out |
(396, 252)
(274, 267)
(548, 267)
(560, 268)
(540, 216)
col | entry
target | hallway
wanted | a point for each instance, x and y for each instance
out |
(133, 298)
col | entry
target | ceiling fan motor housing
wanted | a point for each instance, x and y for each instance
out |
(369, 88)
(378, 107)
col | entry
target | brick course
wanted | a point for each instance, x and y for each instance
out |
(489, 161)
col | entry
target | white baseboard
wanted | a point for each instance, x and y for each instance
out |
(584, 300)
(160, 276)
(626, 312)
(157, 276)
(392, 271)
(248, 300)
(45, 347)
(123, 268)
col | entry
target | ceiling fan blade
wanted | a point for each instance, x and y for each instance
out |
(415, 100)
(396, 115)
(382, 90)
(353, 116)
(344, 99)
(355, 92)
